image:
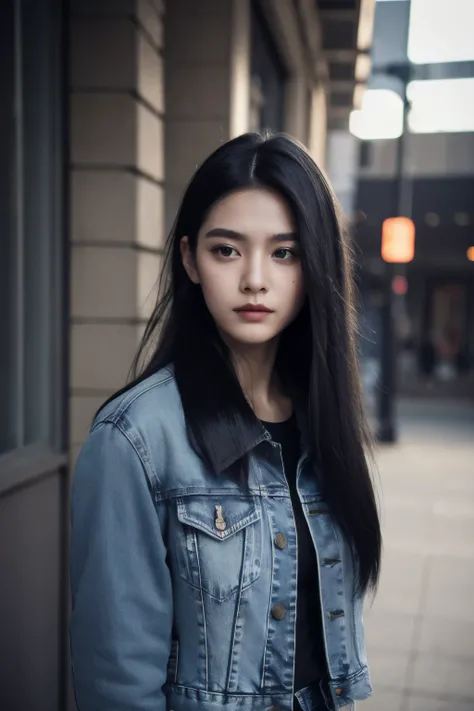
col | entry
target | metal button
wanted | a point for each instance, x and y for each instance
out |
(280, 540)
(339, 692)
(278, 611)
(274, 708)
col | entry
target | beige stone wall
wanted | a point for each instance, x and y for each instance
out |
(117, 191)
(207, 85)
(317, 130)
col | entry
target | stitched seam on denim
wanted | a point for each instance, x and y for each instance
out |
(129, 399)
(320, 601)
(243, 523)
(237, 613)
(134, 447)
(354, 631)
(299, 468)
(149, 463)
(198, 691)
(355, 676)
(267, 627)
(206, 671)
(190, 491)
(116, 419)
(125, 405)
(341, 548)
(185, 492)
(219, 599)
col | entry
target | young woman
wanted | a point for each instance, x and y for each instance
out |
(224, 525)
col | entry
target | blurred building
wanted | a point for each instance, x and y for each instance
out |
(437, 330)
(435, 320)
(107, 108)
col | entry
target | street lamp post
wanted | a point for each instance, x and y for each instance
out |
(386, 431)
(398, 230)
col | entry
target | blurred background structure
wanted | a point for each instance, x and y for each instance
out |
(107, 108)
(424, 48)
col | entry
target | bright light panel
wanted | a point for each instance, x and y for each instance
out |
(381, 116)
(442, 105)
(441, 31)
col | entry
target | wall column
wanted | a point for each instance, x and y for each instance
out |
(117, 191)
(207, 60)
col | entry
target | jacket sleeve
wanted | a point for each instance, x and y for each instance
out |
(121, 620)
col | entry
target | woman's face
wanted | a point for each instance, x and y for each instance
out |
(248, 265)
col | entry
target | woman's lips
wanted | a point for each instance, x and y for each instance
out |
(253, 314)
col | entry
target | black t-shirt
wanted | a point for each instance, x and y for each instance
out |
(310, 660)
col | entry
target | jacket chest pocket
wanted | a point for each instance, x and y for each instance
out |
(220, 549)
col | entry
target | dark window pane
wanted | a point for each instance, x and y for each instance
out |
(39, 227)
(7, 229)
(30, 223)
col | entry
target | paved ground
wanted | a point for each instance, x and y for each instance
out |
(420, 629)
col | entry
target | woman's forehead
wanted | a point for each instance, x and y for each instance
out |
(248, 211)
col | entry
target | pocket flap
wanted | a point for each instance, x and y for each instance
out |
(201, 512)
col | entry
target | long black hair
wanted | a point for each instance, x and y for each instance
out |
(317, 353)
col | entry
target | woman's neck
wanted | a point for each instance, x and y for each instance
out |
(255, 368)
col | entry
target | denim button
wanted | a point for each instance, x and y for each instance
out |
(278, 611)
(339, 692)
(280, 540)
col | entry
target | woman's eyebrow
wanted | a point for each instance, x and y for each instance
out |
(224, 232)
(232, 234)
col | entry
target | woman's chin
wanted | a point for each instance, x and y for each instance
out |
(252, 335)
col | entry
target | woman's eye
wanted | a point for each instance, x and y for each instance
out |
(224, 251)
(284, 253)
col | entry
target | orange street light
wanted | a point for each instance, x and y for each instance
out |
(398, 240)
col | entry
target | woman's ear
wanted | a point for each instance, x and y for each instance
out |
(189, 263)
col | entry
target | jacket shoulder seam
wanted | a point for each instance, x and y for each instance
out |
(136, 449)
(116, 416)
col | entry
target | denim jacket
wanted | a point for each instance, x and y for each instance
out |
(184, 599)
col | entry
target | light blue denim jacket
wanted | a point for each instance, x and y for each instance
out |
(172, 596)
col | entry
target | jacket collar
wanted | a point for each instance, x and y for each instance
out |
(251, 431)
(255, 434)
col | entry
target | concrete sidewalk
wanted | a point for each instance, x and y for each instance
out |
(420, 629)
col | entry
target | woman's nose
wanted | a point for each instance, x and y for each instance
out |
(254, 279)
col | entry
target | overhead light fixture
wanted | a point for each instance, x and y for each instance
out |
(441, 31)
(441, 105)
(381, 116)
